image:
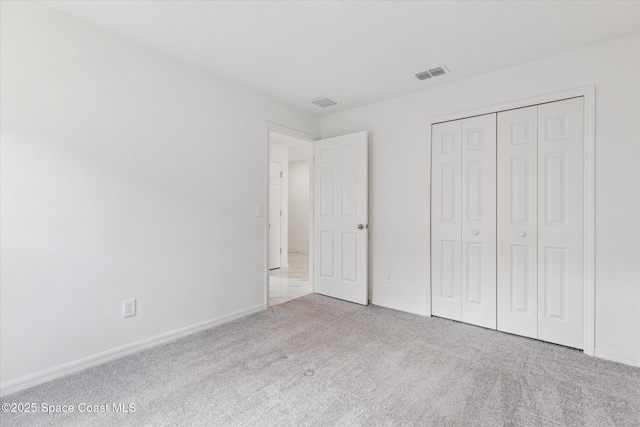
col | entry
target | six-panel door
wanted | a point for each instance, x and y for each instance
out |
(340, 235)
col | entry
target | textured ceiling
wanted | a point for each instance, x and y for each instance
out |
(356, 52)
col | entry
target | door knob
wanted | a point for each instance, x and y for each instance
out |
(360, 226)
(475, 232)
(523, 234)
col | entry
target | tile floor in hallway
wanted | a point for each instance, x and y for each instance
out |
(289, 283)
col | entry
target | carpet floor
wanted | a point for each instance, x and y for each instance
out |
(318, 361)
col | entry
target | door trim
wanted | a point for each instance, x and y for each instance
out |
(275, 127)
(588, 92)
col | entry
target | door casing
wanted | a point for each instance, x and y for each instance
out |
(588, 93)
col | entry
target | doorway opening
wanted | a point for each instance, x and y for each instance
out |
(289, 217)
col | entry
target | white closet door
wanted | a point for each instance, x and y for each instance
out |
(517, 222)
(478, 280)
(445, 220)
(560, 223)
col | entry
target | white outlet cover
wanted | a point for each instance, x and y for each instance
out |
(129, 308)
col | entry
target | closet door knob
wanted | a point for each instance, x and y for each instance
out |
(475, 232)
(523, 234)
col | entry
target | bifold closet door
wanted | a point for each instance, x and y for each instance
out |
(479, 221)
(463, 220)
(540, 222)
(446, 225)
(518, 222)
(561, 222)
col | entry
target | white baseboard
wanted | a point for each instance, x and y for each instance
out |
(411, 310)
(41, 377)
(627, 359)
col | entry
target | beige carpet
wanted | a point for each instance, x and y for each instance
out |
(320, 361)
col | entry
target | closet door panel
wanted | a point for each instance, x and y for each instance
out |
(561, 222)
(446, 208)
(478, 280)
(517, 252)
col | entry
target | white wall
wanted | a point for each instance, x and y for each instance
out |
(399, 202)
(124, 174)
(299, 207)
(280, 154)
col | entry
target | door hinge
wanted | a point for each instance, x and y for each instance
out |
(280, 174)
(280, 212)
(280, 250)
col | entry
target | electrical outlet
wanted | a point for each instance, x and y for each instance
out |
(388, 277)
(259, 210)
(129, 308)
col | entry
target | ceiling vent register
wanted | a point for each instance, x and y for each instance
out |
(323, 102)
(434, 72)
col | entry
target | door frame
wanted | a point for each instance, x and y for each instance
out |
(588, 92)
(275, 127)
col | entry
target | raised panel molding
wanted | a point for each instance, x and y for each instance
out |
(448, 269)
(556, 188)
(349, 152)
(521, 132)
(350, 257)
(555, 283)
(327, 194)
(520, 275)
(475, 139)
(327, 248)
(448, 143)
(520, 190)
(474, 193)
(474, 273)
(556, 128)
(350, 192)
(448, 191)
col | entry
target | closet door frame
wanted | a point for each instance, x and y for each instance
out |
(588, 93)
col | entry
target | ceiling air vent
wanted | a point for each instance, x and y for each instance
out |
(323, 102)
(423, 75)
(434, 72)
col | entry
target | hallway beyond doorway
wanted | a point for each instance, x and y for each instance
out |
(289, 283)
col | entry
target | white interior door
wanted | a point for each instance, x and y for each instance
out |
(478, 247)
(275, 214)
(561, 222)
(340, 226)
(517, 222)
(446, 225)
